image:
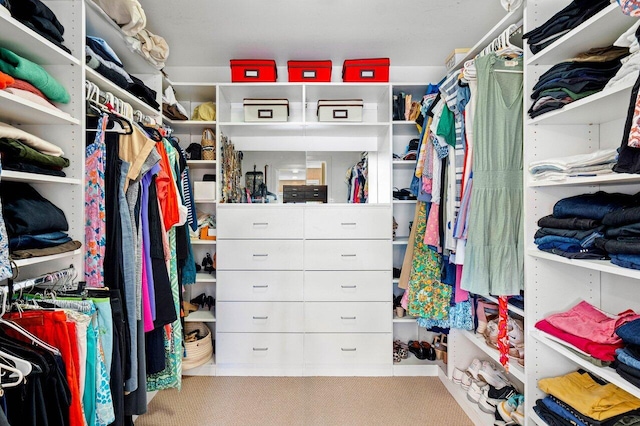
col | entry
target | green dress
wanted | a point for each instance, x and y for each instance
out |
(494, 254)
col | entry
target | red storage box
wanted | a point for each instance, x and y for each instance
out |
(366, 70)
(318, 71)
(253, 70)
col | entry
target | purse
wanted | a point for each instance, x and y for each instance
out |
(208, 144)
(194, 151)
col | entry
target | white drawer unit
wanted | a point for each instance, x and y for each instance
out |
(337, 255)
(349, 222)
(334, 286)
(348, 317)
(259, 348)
(259, 255)
(259, 286)
(348, 349)
(260, 317)
(259, 222)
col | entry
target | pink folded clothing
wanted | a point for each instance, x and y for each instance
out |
(585, 320)
(31, 97)
(603, 352)
(25, 85)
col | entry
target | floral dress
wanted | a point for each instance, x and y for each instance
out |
(95, 216)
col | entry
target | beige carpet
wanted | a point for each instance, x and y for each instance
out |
(305, 401)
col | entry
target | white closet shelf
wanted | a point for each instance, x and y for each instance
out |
(515, 369)
(297, 129)
(510, 18)
(306, 143)
(205, 277)
(187, 126)
(606, 373)
(404, 162)
(206, 369)
(368, 92)
(13, 176)
(99, 24)
(598, 108)
(413, 366)
(21, 111)
(236, 92)
(602, 29)
(107, 86)
(31, 45)
(510, 308)
(194, 92)
(405, 319)
(405, 201)
(403, 123)
(613, 178)
(202, 164)
(201, 316)
(402, 241)
(596, 265)
(203, 242)
(204, 201)
(472, 409)
(36, 260)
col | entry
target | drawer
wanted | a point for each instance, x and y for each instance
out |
(325, 286)
(259, 317)
(259, 348)
(259, 286)
(259, 222)
(348, 317)
(260, 255)
(356, 349)
(349, 222)
(338, 255)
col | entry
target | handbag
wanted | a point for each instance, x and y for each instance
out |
(194, 151)
(208, 143)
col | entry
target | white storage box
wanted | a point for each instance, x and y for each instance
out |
(340, 110)
(204, 190)
(455, 57)
(266, 109)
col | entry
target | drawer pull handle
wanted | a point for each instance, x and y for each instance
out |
(260, 223)
(348, 286)
(260, 349)
(260, 318)
(346, 255)
(348, 349)
(260, 255)
(348, 224)
(348, 318)
(261, 286)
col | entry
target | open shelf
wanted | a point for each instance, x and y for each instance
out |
(606, 373)
(596, 265)
(515, 369)
(607, 179)
(403, 241)
(107, 86)
(413, 366)
(477, 416)
(187, 126)
(404, 201)
(18, 110)
(194, 91)
(404, 319)
(201, 316)
(511, 308)
(202, 164)
(195, 241)
(13, 176)
(204, 201)
(27, 43)
(404, 162)
(205, 277)
(601, 29)
(601, 107)
(36, 260)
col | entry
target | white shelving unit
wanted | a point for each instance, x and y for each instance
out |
(554, 283)
(477, 416)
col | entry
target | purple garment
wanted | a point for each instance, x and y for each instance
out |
(146, 238)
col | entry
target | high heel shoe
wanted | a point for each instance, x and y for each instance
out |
(187, 308)
(201, 300)
(210, 302)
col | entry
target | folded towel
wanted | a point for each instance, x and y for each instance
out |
(19, 67)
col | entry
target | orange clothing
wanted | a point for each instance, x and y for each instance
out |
(5, 80)
(167, 194)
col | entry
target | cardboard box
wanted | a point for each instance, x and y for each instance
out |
(455, 57)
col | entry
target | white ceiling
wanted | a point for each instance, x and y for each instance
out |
(410, 33)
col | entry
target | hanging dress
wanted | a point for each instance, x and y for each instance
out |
(494, 254)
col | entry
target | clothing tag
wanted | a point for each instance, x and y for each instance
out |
(510, 63)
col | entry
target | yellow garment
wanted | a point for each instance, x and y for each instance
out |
(134, 149)
(422, 155)
(588, 397)
(204, 112)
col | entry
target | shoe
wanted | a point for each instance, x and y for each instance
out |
(188, 308)
(516, 332)
(507, 407)
(200, 300)
(466, 380)
(474, 368)
(457, 376)
(416, 348)
(517, 415)
(517, 353)
(210, 302)
(492, 376)
(429, 351)
(475, 392)
(492, 397)
(484, 316)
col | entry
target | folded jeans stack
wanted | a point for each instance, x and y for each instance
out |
(621, 238)
(628, 358)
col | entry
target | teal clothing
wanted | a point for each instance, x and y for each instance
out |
(18, 67)
(494, 253)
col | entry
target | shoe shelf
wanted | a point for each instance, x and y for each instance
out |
(606, 373)
(596, 265)
(22, 111)
(515, 369)
(206, 369)
(201, 164)
(107, 86)
(401, 241)
(601, 29)
(413, 366)
(205, 277)
(13, 176)
(601, 107)
(609, 179)
(195, 241)
(201, 316)
(36, 260)
(472, 409)
(511, 308)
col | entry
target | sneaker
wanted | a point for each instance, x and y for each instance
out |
(475, 391)
(517, 415)
(457, 376)
(516, 332)
(474, 368)
(492, 397)
(492, 376)
(507, 407)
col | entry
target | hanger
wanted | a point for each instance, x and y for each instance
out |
(23, 365)
(16, 371)
(99, 104)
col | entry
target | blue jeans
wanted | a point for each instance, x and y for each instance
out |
(591, 206)
(630, 332)
(624, 357)
(555, 408)
(626, 260)
(49, 239)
